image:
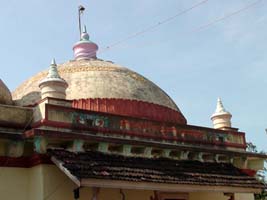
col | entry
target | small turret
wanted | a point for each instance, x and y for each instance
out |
(221, 119)
(53, 85)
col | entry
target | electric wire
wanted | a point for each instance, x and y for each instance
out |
(219, 19)
(207, 25)
(149, 28)
(154, 26)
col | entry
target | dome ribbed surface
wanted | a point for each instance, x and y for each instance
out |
(97, 79)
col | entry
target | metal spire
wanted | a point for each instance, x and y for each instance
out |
(80, 12)
(84, 35)
(84, 29)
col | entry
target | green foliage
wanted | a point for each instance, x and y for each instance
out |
(261, 174)
(251, 147)
(261, 196)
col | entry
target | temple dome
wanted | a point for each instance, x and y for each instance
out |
(101, 86)
(96, 78)
(5, 95)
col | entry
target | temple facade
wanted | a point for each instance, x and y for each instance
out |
(92, 129)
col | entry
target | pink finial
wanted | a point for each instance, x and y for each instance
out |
(85, 49)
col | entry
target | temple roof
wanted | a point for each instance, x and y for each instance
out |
(95, 78)
(91, 78)
(96, 165)
(100, 79)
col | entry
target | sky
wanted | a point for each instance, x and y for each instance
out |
(226, 59)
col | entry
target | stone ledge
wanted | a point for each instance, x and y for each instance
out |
(15, 116)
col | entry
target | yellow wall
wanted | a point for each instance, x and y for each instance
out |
(42, 182)
(47, 182)
(14, 183)
(58, 186)
(21, 183)
(207, 196)
(219, 196)
(114, 194)
(35, 183)
(256, 164)
(244, 196)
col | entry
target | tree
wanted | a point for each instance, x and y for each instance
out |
(251, 147)
(261, 174)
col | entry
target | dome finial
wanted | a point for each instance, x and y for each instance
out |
(84, 49)
(221, 118)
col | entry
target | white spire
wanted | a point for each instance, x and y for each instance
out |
(53, 85)
(221, 118)
(53, 72)
(220, 108)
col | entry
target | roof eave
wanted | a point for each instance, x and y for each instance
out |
(103, 183)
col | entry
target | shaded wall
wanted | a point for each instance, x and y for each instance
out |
(47, 182)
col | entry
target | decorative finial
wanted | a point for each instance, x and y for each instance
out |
(85, 49)
(53, 85)
(221, 118)
(53, 72)
(220, 108)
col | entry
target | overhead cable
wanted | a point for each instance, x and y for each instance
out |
(216, 20)
(168, 19)
(219, 19)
